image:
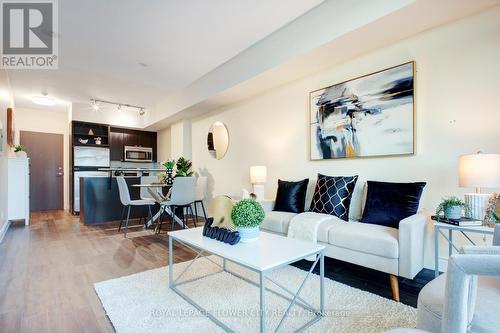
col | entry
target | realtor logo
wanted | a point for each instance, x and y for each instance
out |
(29, 30)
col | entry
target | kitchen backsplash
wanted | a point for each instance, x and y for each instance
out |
(119, 164)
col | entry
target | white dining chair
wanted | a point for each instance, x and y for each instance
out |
(128, 203)
(201, 192)
(182, 195)
(145, 193)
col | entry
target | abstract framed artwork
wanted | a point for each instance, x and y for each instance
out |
(369, 116)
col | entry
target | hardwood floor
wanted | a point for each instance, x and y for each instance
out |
(372, 281)
(47, 271)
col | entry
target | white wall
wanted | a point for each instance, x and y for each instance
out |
(6, 101)
(457, 112)
(180, 134)
(164, 145)
(44, 121)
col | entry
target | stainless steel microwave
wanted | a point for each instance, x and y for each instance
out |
(138, 154)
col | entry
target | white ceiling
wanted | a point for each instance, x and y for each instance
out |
(204, 54)
(103, 43)
(308, 45)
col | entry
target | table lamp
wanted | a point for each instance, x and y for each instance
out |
(479, 170)
(258, 175)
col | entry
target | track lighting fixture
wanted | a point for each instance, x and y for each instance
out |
(119, 106)
(94, 105)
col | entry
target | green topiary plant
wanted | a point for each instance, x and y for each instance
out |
(247, 213)
(183, 168)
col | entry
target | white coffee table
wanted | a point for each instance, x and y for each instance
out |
(268, 253)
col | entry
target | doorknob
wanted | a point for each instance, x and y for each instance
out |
(60, 174)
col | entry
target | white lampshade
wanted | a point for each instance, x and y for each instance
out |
(479, 170)
(258, 174)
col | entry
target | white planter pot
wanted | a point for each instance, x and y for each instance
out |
(453, 213)
(248, 234)
(21, 154)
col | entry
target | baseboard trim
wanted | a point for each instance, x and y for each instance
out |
(4, 229)
(443, 264)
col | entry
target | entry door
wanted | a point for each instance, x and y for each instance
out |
(45, 151)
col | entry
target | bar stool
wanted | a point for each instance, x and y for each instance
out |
(128, 203)
(183, 194)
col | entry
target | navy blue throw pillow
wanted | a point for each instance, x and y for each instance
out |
(291, 196)
(389, 203)
(333, 195)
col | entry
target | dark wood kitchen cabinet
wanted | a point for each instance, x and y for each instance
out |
(116, 146)
(120, 137)
(148, 139)
(132, 139)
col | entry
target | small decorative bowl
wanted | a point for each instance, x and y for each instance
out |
(84, 141)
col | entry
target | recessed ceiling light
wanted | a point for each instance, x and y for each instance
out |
(43, 100)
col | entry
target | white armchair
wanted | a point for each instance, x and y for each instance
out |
(467, 297)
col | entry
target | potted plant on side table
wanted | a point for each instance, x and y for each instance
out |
(451, 207)
(247, 215)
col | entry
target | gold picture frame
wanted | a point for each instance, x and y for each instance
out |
(345, 99)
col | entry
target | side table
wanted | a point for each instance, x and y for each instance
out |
(440, 228)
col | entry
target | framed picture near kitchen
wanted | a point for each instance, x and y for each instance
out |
(11, 132)
(369, 116)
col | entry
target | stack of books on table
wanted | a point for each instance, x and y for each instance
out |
(462, 222)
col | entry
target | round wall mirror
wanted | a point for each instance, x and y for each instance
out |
(217, 140)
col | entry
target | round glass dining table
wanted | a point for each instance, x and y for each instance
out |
(159, 197)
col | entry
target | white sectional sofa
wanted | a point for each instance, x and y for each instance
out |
(398, 252)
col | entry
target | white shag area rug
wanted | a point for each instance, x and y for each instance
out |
(143, 302)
